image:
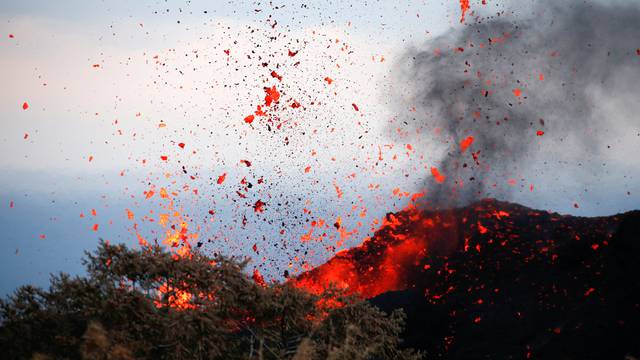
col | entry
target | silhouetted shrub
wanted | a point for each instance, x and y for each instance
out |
(150, 304)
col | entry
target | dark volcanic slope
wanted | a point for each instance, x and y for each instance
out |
(497, 280)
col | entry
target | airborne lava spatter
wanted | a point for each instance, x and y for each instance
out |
(299, 93)
(464, 7)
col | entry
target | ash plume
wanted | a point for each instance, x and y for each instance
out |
(510, 82)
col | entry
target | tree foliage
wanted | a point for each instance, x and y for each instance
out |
(150, 304)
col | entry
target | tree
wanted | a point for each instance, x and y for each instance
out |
(151, 304)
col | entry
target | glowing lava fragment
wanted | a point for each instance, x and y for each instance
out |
(436, 174)
(355, 107)
(464, 144)
(272, 95)
(181, 145)
(26, 135)
(258, 278)
(260, 112)
(589, 292)
(339, 192)
(328, 80)
(249, 119)
(95, 227)
(276, 75)
(539, 133)
(258, 206)
(307, 169)
(517, 92)
(11, 37)
(164, 157)
(292, 53)
(464, 7)
(25, 106)
(221, 178)
(246, 162)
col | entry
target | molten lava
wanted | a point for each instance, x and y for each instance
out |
(414, 245)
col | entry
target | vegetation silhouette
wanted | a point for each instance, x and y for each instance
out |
(151, 304)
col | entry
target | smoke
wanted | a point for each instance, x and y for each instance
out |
(512, 82)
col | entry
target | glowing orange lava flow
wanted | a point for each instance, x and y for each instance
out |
(380, 263)
(441, 251)
(408, 244)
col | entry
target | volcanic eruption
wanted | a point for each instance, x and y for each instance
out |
(492, 90)
(482, 278)
(253, 133)
(499, 280)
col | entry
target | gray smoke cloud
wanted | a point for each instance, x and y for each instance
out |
(503, 79)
